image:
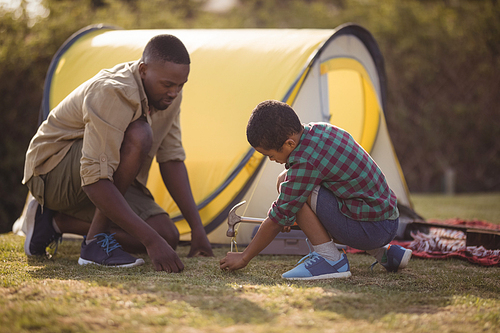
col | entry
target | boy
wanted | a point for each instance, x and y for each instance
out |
(331, 188)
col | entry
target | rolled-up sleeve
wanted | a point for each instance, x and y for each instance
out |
(107, 112)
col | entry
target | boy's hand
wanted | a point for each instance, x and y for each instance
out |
(286, 228)
(264, 236)
(233, 261)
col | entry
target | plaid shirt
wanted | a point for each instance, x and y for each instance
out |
(327, 155)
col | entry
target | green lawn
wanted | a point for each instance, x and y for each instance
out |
(481, 206)
(58, 295)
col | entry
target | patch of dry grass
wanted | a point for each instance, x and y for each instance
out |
(58, 295)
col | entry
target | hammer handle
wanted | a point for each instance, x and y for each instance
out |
(251, 219)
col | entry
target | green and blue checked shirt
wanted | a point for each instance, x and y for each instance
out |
(328, 156)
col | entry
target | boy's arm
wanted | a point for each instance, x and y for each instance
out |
(264, 236)
(176, 180)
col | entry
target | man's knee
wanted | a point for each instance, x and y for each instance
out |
(166, 228)
(138, 137)
(173, 238)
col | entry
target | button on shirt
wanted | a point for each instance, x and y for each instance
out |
(328, 156)
(99, 112)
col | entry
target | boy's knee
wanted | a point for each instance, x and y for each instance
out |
(281, 179)
(138, 136)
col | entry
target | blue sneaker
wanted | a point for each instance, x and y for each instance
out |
(106, 251)
(315, 267)
(41, 237)
(395, 258)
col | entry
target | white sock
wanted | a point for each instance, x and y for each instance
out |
(328, 250)
(56, 227)
(378, 253)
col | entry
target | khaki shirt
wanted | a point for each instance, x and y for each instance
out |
(99, 111)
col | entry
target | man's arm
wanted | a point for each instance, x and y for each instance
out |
(175, 177)
(111, 204)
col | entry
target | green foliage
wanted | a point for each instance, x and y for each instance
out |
(443, 99)
(442, 63)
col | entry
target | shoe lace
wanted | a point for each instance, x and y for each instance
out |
(51, 249)
(108, 242)
(311, 257)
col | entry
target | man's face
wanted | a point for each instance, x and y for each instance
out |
(163, 81)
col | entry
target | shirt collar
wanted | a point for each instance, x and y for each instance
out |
(137, 76)
(142, 93)
(290, 157)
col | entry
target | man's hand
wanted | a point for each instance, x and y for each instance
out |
(163, 257)
(233, 261)
(200, 246)
(111, 204)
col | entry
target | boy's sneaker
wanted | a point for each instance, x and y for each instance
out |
(395, 258)
(106, 251)
(315, 267)
(39, 230)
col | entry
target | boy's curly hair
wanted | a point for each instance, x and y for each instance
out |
(271, 124)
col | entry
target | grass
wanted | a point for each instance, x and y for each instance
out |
(58, 295)
(481, 206)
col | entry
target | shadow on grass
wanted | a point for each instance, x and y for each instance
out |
(212, 301)
(257, 294)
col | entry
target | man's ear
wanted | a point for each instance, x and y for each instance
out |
(142, 69)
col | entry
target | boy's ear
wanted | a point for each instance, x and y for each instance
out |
(290, 143)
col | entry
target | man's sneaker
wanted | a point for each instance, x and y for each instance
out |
(19, 228)
(395, 258)
(40, 232)
(106, 251)
(315, 267)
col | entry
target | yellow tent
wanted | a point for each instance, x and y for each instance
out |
(326, 75)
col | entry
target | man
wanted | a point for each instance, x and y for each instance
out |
(87, 165)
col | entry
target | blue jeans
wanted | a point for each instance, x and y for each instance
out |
(362, 235)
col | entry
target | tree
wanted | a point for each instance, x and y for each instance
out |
(442, 62)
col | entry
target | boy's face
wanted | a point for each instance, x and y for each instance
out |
(277, 156)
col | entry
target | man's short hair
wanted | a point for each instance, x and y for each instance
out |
(166, 48)
(271, 124)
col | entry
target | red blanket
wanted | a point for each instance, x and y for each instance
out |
(474, 254)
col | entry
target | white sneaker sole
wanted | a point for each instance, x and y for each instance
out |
(321, 277)
(28, 225)
(138, 262)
